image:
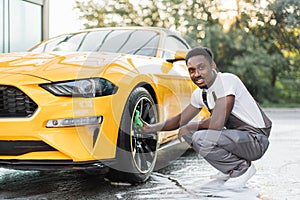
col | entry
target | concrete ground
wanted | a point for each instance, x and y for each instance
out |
(187, 177)
(277, 177)
(278, 172)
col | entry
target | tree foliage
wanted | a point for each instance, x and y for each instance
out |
(260, 43)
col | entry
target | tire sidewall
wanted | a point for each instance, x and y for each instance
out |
(126, 163)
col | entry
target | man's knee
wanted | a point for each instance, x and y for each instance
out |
(201, 143)
(210, 136)
(188, 138)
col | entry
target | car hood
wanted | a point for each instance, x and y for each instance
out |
(57, 66)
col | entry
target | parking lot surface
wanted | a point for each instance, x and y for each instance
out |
(186, 177)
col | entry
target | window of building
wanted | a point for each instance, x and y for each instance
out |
(25, 25)
(1, 26)
(21, 24)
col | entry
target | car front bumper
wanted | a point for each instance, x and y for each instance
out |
(71, 145)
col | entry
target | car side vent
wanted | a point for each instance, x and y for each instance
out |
(15, 103)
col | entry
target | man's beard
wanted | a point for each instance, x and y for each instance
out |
(199, 78)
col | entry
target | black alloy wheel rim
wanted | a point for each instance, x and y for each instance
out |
(144, 145)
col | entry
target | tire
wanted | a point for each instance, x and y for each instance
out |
(136, 151)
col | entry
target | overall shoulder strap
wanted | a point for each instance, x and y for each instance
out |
(204, 98)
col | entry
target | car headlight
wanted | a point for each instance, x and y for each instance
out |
(92, 87)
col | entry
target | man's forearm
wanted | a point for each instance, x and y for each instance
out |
(171, 124)
(175, 122)
(168, 125)
(201, 125)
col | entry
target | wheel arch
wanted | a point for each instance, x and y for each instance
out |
(150, 89)
(152, 92)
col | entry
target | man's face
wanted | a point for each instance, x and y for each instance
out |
(201, 71)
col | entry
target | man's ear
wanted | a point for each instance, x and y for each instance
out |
(214, 66)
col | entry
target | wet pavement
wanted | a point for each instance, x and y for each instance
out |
(188, 177)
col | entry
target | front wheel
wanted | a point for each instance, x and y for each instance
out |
(136, 151)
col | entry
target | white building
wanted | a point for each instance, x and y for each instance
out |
(23, 23)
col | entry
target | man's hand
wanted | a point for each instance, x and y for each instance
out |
(183, 131)
(193, 127)
(147, 128)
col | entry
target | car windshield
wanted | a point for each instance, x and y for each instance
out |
(137, 42)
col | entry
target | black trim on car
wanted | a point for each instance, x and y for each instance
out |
(19, 147)
(55, 164)
(15, 103)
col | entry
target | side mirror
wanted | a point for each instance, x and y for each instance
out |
(179, 55)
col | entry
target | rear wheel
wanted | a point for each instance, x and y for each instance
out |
(137, 151)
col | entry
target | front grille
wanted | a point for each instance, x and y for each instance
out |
(15, 103)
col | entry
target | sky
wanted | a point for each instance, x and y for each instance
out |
(62, 17)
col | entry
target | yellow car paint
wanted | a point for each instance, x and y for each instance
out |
(27, 71)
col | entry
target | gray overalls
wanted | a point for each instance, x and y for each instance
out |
(232, 149)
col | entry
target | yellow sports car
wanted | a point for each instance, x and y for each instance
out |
(71, 101)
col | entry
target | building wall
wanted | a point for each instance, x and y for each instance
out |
(23, 23)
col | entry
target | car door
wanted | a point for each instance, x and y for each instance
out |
(178, 82)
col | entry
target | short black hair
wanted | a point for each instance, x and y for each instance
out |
(204, 51)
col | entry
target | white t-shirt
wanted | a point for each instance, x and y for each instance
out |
(245, 108)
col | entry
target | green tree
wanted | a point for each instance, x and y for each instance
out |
(103, 13)
(260, 44)
(286, 14)
(261, 49)
(278, 33)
